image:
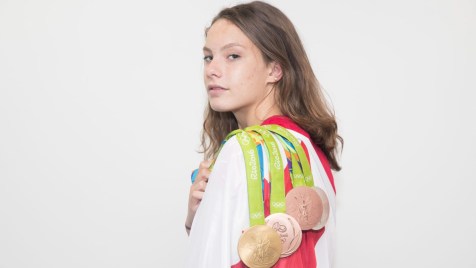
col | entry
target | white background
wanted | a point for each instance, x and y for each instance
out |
(101, 109)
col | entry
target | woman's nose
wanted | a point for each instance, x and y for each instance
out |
(213, 69)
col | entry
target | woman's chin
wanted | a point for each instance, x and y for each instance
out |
(219, 108)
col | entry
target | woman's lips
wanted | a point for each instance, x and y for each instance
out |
(215, 90)
(214, 86)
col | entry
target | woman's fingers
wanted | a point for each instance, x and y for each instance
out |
(199, 186)
(197, 189)
(203, 174)
(198, 195)
(203, 171)
(205, 164)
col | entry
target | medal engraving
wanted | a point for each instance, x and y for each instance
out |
(303, 202)
(260, 246)
(289, 231)
(305, 205)
(260, 251)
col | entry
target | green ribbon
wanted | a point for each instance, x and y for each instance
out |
(278, 193)
(300, 176)
(253, 177)
(253, 174)
(306, 169)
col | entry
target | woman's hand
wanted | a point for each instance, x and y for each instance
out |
(197, 190)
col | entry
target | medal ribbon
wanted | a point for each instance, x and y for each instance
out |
(253, 177)
(278, 195)
(301, 177)
(296, 146)
(253, 174)
(297, 175)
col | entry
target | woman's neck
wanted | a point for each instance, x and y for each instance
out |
(256, 117)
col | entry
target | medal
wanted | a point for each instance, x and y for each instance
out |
(260, 247)
(289, 231)
(305, 205)
(325, 208)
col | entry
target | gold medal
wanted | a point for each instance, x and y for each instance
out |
(260, 247)
(305, 205)
(325, 208)
(289, 231)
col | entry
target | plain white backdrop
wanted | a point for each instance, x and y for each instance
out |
(101, 109)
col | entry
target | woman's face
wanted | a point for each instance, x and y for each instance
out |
(236, 77)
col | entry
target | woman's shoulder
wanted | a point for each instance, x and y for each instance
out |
(230, 149)
(305, 139)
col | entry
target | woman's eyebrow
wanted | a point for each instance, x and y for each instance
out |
(224, 47)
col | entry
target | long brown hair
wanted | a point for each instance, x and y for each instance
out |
(298, 94)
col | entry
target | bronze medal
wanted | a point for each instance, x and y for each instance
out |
(260, 247)
(294, 245)
(325, 208)
(297, 241)
(288, 229)
(305, 205)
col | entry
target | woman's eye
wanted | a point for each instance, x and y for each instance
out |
(207, 58)
(233, 56)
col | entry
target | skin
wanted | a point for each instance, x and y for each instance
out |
(237, 79)
(197, 191)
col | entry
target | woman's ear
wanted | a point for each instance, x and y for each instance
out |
(275, 73)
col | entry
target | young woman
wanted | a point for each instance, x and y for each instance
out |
(256, 72)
